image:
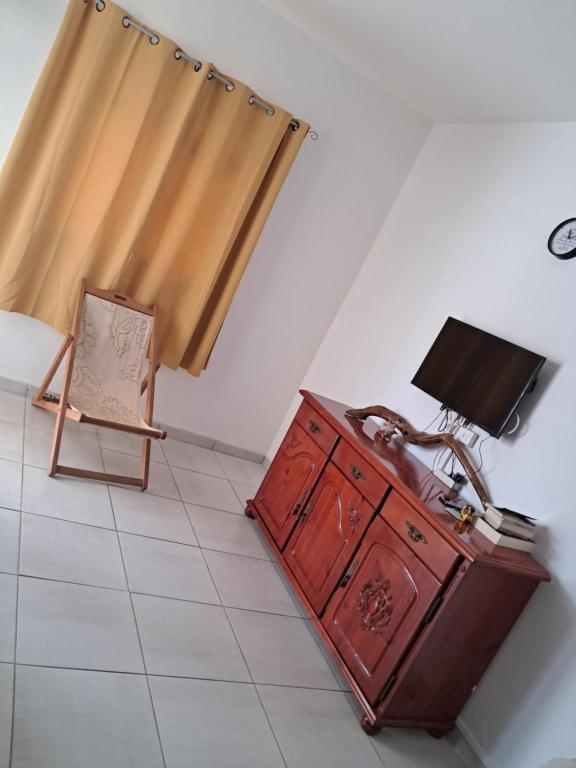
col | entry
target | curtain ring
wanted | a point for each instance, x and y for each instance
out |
(153, 38)
(268, 108)
(313, 135)
(100, 5)
(179, 54)
(213, 74)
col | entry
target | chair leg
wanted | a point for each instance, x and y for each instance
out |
(145, 463)
(56, 440)
(52, 370)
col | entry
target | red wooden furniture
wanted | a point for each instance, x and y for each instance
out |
(412, 604)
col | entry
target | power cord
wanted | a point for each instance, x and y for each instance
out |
(426, 428)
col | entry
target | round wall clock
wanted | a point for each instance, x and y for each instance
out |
(562, 241)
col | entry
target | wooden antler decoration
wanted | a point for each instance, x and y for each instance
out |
(397, 424)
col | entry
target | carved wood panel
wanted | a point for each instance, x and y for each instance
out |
(329, 530)
(376, 605)
(375, 615)
(288, 483)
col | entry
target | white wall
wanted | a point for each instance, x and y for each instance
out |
(320, 231)
(467, 236)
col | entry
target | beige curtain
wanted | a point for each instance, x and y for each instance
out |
(137, 172)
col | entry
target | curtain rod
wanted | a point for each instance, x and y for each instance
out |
(213, 73)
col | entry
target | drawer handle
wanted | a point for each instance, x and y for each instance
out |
(357, 473)
(415, 534)
(314, 427)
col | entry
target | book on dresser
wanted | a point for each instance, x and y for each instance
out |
(502, 539)
(510, 523)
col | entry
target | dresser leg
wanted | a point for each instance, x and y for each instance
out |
(249, 512)
(372, 729)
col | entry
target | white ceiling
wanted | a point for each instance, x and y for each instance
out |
(455, 60)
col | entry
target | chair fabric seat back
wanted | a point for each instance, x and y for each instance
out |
(110, 361)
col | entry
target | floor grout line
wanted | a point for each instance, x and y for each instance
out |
(172, 676)
(13, 724)
(151, 594)
(143, 535)
(236, 639)
(134, 615)
(89, 482)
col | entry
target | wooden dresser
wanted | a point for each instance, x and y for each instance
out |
(412, 605)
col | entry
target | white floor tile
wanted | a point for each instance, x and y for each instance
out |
(167, 569)
(10, 484)
(77, 449)
(225, 532)
(64, 625)
(6, 692)
(280, 650)
(55, 549)
(318, 728)
(206, 491)
(68, 498)
(188, 640)
(153, 516)
(160, 481)
(125, 442)
(208, 724)
(241, 470)
(244, 582)
(12, 408)
(76, 719)
(8, 585)
(9, 534)
(342, 683)
(406, 748)
(244, 492)
(11, 441)
(189, 456)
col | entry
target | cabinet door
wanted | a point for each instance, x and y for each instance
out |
(288, 483)
(377, 610)
(328, 531)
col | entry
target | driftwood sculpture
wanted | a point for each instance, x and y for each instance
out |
(396, 424)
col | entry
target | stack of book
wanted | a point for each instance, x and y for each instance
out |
(507, 528)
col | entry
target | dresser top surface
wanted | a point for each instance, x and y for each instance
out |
(418, 484)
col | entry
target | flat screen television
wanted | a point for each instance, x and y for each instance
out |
(480, 376)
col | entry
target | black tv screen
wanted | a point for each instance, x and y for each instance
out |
(478, 375)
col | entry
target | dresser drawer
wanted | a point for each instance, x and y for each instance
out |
(318, 429)
(370, 484)
(421, 537)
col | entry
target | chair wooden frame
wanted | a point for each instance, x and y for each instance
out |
(63, 410)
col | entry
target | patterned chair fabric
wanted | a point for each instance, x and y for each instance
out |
(110, 362)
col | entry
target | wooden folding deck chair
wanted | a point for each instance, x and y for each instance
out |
(105, 376)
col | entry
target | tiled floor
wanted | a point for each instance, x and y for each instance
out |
(153, 630)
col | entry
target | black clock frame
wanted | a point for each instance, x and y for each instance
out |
(562, 256)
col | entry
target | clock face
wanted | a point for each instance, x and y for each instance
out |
(562, 241)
